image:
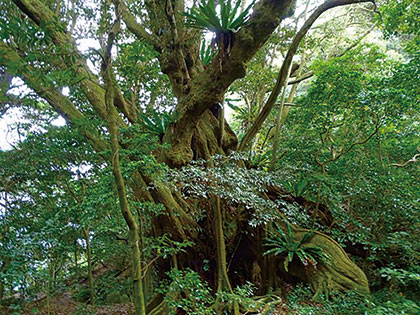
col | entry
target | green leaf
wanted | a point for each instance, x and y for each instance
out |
(290, 256)
(286, 265)
(306, 237)
(205, 16)
(290, 231)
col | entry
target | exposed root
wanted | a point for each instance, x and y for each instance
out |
(338, 273)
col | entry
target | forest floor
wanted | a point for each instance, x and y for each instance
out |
(64, 305)
(298, 302)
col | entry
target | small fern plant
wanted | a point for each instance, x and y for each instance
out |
(155, 122)
(206, 54)
(224, 23)
(282, 243)
(206, 17)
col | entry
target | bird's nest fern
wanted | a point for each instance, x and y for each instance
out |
(282, 243)
(228, 19)
(224, 22)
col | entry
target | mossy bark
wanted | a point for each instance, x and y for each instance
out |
(337, 273)
(195, 134)
(130, 219)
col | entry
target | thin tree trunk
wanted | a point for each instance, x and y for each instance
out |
(3, 268)
(134, 229)
(90, 267)
(284, 111)
(49, 286)
(223, 283)
(278, 121)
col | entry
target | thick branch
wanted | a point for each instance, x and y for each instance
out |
(54, 97)
(304, 77)
(207, 88)
(39, 13)
(137, 29)
(266, 17)
(286, 63)
(126, 107)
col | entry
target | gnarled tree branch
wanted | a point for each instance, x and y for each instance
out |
(54, 97)
(39, 13)
(136, 28)
(208, 87)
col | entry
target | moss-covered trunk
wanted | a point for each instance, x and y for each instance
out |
(130, 219)
(241, 247)
(199, 132)
(338, 272)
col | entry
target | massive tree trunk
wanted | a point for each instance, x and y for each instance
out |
(199, 133)
(245, 254)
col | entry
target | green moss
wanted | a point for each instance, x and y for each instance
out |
(339, 273)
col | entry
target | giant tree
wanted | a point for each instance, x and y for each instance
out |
(40, 46)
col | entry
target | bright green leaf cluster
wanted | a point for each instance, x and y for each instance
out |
(282, 243)
(206, 17)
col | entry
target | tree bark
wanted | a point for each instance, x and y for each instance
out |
(338, 273)
(90, 267)
(133, 226)
(197, 134)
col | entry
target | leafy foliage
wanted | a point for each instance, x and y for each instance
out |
(186, 291)
(401, 18)
(206, 54)
(282, 243)
(156, 123)
(207, 17)
(379, 303)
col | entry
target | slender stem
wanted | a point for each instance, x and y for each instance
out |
(133, 226)
(278, 121)
(90, 267)
(223, 283)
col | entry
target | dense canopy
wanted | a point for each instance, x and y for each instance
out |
(209, 157)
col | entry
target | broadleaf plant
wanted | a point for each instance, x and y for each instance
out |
(206, 17)
(155, 122)
(285, 244)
